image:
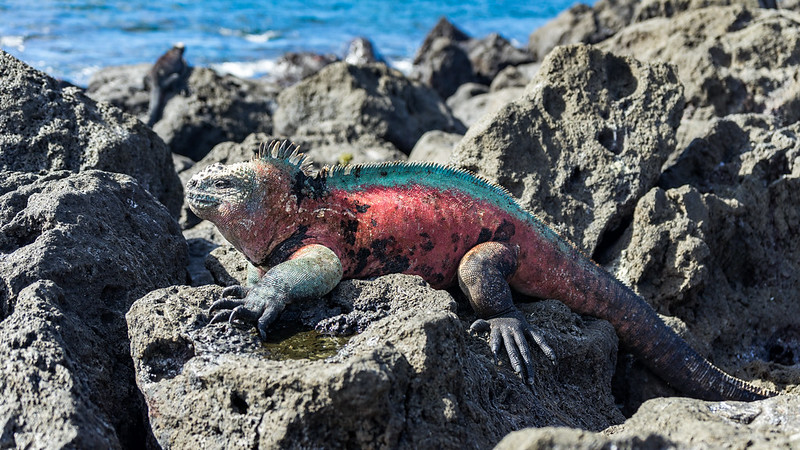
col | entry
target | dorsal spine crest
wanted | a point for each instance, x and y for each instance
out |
(284, 153)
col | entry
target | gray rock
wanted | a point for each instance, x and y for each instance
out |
(412, 378)
(581, 24)
(202, 239)
(584, 142)
(46, 128)
(367, 106)
(217, 108)
(435, 146)
(716, 246)
(681, 423)
(326, 153)
(514, 76)
(465, 92)
(361, 51)
(648, 9)
(293, 67)
(123, 87)
(449, 58)
(741, 59)
(593, 24)
(493, 53)
(444, 68)
(77, 249)
(472, 110)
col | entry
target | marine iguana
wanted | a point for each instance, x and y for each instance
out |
(304, 233)
(168, 69)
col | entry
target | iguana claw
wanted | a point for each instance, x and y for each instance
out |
(511, 331)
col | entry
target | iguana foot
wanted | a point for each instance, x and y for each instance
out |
(510, 331)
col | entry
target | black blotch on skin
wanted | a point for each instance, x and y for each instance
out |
(504, 232)
(305, 186)
(349, 229)
(425, 271)
(373, 222)
(427, 243)
(454, 238)
(285, 249)
(384, 173)
(484, 236)
(360, 257)
(392, 263)
(361, 208)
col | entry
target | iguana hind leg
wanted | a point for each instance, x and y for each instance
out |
(482, 275)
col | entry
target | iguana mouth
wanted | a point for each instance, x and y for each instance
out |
(201, 201)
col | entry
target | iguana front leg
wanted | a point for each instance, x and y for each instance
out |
(312, 271)
(482, 275)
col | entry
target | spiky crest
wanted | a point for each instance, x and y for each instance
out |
(287, 153)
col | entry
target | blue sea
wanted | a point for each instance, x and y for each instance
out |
(73, 39)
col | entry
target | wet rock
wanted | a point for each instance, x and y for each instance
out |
(584, 142)
(217, 108)
(368, 106)
(46, 128)
(681, 423)
(414, 375)
(741, 59)
(77, 249)
(435, 146)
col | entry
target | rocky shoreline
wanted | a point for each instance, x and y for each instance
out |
(662, 138)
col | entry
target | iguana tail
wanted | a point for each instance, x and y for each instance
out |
(657, 346)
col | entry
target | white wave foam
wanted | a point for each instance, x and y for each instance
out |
(263, 37)
(16, 42)
(245, 69)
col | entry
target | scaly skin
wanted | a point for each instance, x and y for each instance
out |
(305, 233)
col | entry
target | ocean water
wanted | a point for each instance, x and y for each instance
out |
(71, 39)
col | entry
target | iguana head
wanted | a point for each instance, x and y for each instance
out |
(250, 202)
(220, 193)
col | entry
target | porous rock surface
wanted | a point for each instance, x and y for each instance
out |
(364, 106)
(413, 376)
(75, 251)
(742, 59)
(681, 423)
(48, 128)
(583, 143)
(715, 245)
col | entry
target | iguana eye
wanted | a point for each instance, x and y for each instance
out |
(222, 184)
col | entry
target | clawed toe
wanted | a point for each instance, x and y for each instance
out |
(221, 316)
(224, 303)
(236, 291)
